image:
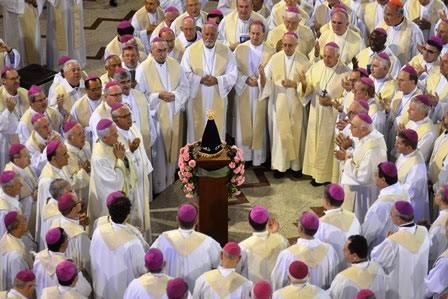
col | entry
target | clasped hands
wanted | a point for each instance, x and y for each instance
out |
(209, 80)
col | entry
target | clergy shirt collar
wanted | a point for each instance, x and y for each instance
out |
(209, 51)
(55, 253)
(335, 210)
(15, 294)
(422, 121)
(39, 138)
(109, 108)
(64, 289)
(93, 102)
(427, 6)
(225, 271)
(408, 226)
(74, 221)
(390, 189)
(9, 198)
(256, 48)
(410, 154)
(400, 25)
(264, 234)
(10, 95)
(408, 95)
(68, 87)
(72, 148)
(185, 232)
(124, 133)
(116, 225)
(361, 264)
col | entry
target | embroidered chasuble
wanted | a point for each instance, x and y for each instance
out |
(143, 20)
(350, 44)
(305, 34)
(231, 25)
(437, 158)
(224, 286)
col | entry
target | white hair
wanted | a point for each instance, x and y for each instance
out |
(421, 107)
(383, 62)
(104, 132)
(337, 51)
(68, 63)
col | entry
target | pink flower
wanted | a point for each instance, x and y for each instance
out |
(188, 174)
(184, 180)
(238, 169)
(233, 180)
(240, 180)
(182, 168)
(189, 195)
(192, 163)
(232, 165)
(242, 171)
(237, 159)
(186, 156)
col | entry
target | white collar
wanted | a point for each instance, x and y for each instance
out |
(225, 271)
(8, 198)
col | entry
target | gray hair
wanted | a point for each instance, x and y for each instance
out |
(421, 107)
(33, 97)
(57, 187)
(10, 183)
(68, 63)
(383, 62)
(109, 58)
(103, 133)
(122, 75)
(115, 113)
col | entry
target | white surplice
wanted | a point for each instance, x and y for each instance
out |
(439, 239)
(436, 282)
(425, 142)
(12, 260)
(13, 205)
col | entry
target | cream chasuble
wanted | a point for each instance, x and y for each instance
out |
(276, 17)
(141, 19)
(305, 34)
(250, 112)
(430, 12)
(231, 28)
(319, 146)
(114, 48)
(25, 126)
(149, 286)
(350, 44)
(199, 21)
(286, 113)
(197, 62)
(373, 16)
(436, 162)
(300, 290)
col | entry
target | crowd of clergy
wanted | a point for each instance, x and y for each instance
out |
(353, 94)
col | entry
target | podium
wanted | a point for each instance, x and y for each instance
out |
(213, 196)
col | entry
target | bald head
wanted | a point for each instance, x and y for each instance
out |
(209, 34)
(189, 28)
(289, 42)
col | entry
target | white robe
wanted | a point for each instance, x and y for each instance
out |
(8, 127)
(204, 290)
(73, 50)
(442, 179)
(110, 279)
(342, 287)
(45, 279)
(393, 37)
(136, 290)
(88, 130)
(360, 180)
(321, 275)
(439, 239)
(23, 131)
(377, 223)
(14, 204)
(426, 142)
(225, 84)
(405, 269)
(74, 93)
(320, 294)
(164, 169)
(416, 184)
(436, 282)
(45, 224)
(202, 259)
(11, 263)
(95, 119)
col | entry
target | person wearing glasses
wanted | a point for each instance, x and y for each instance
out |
(428, 60)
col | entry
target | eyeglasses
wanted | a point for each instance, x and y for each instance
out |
(124, 116)
(429, 51)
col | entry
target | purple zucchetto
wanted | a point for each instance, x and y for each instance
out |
(409, 69)
(53, 236)
(25, 275)
(404, 208)
(364, 104)
(110, 84)
(91, 77)
(157, 40)
(63, 59)
(411, 135)
(309, 220)
(52, 146)
(367, 81)
(259, 214)
(15, 149)
(171, 9)
(365, 118)
(103, 124)
(388, 168)
(232, 248)
(215, 12)
(293, 34)
(66, 201)
(380, 30)
(298, 270)
(10, 217)
(332, 45)
(116, 106)
(424, 99)
(66, 271)
(119, 70)
(176, 288)
(436, 41)
(7, 176)
(165, 29)
(187, 213)
(365, 294)
(34, 89)
(336, 192)
(384, 56)
(124, 24)
(6, 69)
(68, 125)
(154, 259)
(126, 38)
(262, 290)
(112, 197)
(36, 117)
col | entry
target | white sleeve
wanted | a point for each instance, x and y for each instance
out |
(385, 254)
(279, 276)
(228, 79)
(193, 79)
(82, 286)
(437, 279)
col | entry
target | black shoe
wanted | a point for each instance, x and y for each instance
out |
(297, 174)
(278, 174)
(316, 184)
(113, 3)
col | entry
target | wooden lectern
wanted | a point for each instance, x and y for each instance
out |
(213, 196)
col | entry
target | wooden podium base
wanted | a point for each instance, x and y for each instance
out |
(213, 199)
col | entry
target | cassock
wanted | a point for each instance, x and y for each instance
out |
(350, 43)
(430, 12)
(139, 216)
(250, 124)
(377, 223)
(10, 120)
(103, 110)
(412, 174)
(300, 290)
(398, 114)
(358, 177)
(76, 156)
(335, 227)
(426, 135)
(437, 233)
(65, 31)
(22, 30)
(45, 270)
(362, 275)
(197, 62)
(124, 245)
(321, 259)
(81, 111)
(188, 253)
(261, 251)
(278, 10)
(304, 33)
(148, 286)
(438, 164)
(319, 146)
(29, 186)
(142, 19)
(403, 39)
(13, 258)
(78, 241)
(10, 59)
(199, 21)
(222, 283)
(167, 119)
(25, 126)
(365, 57)
(108, 174)
(404, 258)
(436, 281)
(286, 113)
(70, 93)
(234, 30)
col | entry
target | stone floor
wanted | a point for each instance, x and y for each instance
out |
(285, 198)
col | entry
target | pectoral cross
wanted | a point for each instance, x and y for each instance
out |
(324, 93)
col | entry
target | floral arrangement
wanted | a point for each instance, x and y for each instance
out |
(188, 170)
